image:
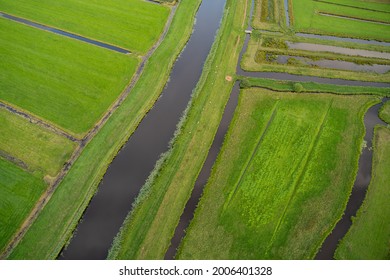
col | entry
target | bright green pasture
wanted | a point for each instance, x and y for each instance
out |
(306, 18)
(132, 24)
(62, 80)
(79, 185)
(371, 5)
(37, 147)
(19, 191)
(384, 112)
(282, 179)
(369, 235)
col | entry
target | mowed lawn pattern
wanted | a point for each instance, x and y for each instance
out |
(131, 24)
(282, 179)
(19, 191)
(369, 235)
(65, 81)
(39, 148)
(307, 18)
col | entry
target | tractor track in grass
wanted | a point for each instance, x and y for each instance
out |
(302, 172)
(82, 143)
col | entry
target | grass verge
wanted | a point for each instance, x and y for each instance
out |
(384, 112)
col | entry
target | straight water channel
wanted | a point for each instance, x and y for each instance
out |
(131, 167)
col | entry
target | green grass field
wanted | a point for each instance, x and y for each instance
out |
(384, 112)
(64, 81)
(369, 236)
(306, 18)
(73, 194)
(132, 24)
(312, 87)
(282, 178)
(37, 147)
(19, 191)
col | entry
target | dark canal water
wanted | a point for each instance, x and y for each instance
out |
(64, 33)
(131, 167)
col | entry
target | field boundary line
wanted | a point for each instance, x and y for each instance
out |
(353, 18)
(350, 6)
(38, 121)
(14, 160)
(63, 32)
(297, 182)
(44, 199)
(259, 141)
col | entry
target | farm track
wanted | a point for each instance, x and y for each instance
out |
(302, 172)
(49, 192)
(63, 33)
(247, 164)
(39, 122)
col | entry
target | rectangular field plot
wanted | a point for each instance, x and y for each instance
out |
(65, 81)
(369, 235)
(269, 14)
(37, 148)
(131, 24)
(282, 178)
(342, 18)
(19, 191)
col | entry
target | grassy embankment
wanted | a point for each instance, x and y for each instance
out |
(147, 232)
(384, 112)
(131, 24)
(41, 150)
(73, 194)
(269, 15)
(40, 74)
(307, 19)
(19, 191)
(282, 178)
(262, 48)
(369, 236)
(312, 87)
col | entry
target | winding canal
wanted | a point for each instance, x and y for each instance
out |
(131, 167)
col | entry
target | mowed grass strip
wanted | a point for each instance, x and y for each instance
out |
(384, 112)
(69, 83)
(296, 185)
(369, 236)
(41, 149)
(131, 24)
(77, 188)
(307, 19)
(19, 191)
